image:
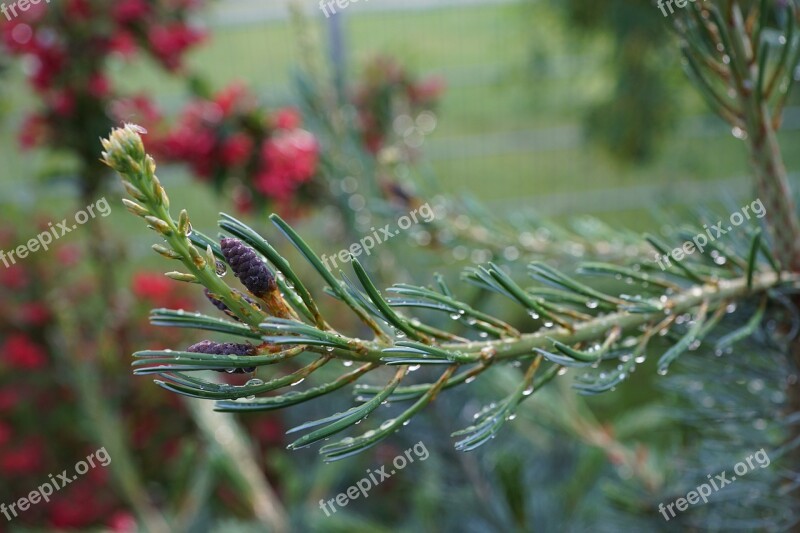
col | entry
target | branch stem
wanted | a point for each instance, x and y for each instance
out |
(596, 329)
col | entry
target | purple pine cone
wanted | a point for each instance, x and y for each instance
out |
(248, 267)
(224, 308)
(225, 348)
(218, 304)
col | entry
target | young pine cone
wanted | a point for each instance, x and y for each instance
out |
(224, 308)
(248, 267)
(225, 348)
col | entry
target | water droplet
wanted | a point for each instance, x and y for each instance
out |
(255, 382)
(592, 304)
(511, 416)
(221, 268)
(469, 380)
(298, 382)
(329, 348)
(662, 371)
(251, 397)
(347, 363)
(528, 391)
(413, 368)
(386, 425)
(533, 314)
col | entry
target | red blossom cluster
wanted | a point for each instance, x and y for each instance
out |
(35, 401)
(230, 139)
(68, 44)
(386, 91)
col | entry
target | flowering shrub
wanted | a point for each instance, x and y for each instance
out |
(68, 45)
(231, 140)
(389, 92)
(35, 403)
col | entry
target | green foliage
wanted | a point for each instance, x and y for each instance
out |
(574, 323)
(636, 116)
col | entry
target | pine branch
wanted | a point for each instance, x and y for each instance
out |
(573, 324)
(746, 80)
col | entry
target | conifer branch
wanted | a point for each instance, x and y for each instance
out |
(572, 323)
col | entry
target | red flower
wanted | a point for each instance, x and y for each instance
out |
(13, 277)
(50, 62)
(21, 352)
(63, 103)
(122, 522)
(290, 159)
(78, 9)
(127, 11)
(288, 118)
(65, 514)
(19, 36)
(26, 459)
(236, 149)
(9, 398)
(170, 42)
(68, 255)
(150, 286)
(34, 313)
(33, 131)
(5, 434)
(269, 431)
(99, 86)
(234, 97)
(123, 43)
